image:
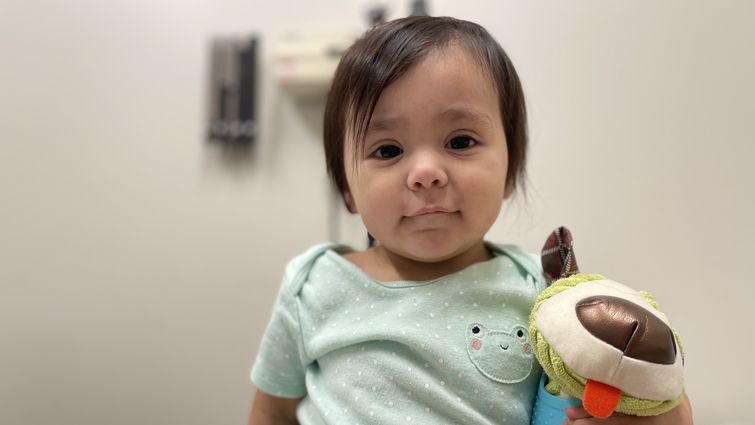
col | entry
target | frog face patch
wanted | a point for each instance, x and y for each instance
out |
(503, 356)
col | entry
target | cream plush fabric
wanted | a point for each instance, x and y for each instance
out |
(571, 355)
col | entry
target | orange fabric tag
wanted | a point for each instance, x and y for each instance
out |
(599, 399)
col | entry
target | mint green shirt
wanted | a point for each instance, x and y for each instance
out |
(454, 350)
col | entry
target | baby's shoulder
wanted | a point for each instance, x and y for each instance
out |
(527, 262)
(298, 269)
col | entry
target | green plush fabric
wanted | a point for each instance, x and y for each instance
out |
(563, 378)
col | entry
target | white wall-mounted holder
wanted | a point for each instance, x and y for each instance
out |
(304, 63)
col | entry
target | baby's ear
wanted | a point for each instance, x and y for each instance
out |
(348, 200)
(508, 190)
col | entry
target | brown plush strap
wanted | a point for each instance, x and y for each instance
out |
(558, 255)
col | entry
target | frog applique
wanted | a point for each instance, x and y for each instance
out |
(504, 356)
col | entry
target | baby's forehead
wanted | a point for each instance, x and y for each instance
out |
(458, 53)
(449, 83)
(378, 114)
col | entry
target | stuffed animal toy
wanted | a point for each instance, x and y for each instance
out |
(600, 342)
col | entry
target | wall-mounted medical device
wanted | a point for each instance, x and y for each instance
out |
(233, 90)
(304, 63)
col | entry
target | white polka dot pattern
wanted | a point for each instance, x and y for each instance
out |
(398, 352)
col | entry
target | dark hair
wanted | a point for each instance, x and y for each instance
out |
(385, 53)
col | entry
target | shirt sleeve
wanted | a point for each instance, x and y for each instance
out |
(279, 367)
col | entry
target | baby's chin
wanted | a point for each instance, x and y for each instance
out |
(435, 253)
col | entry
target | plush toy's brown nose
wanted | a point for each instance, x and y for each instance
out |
(638, 333)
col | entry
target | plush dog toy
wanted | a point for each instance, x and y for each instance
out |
(602, 342)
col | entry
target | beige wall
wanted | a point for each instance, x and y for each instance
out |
(138, 266)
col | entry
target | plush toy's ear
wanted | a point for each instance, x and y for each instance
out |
(558, 255)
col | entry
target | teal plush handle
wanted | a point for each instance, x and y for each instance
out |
(549, 409)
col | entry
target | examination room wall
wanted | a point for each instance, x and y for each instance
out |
(139, 263)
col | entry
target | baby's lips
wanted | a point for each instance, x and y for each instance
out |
(600, 399)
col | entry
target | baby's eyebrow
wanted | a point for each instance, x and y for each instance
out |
(385, 124)
(451, 114)
(463, 113)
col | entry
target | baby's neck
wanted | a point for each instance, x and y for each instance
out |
(384, 265)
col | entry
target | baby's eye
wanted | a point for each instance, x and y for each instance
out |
(387, 152)
(461, 142)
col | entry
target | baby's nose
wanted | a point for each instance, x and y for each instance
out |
(427, 173)
(638, 333)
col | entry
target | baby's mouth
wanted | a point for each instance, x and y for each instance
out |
(431, 210)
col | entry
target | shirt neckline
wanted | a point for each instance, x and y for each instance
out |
(335, 254)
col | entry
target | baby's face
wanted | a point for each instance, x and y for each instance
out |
(432, 177)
